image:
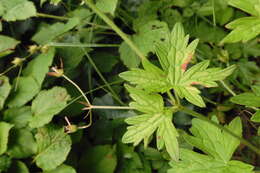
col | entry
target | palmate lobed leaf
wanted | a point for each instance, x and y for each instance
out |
(174, 56)
(217, 144)
(155, 117)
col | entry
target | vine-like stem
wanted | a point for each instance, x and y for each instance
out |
(115, 28)
(202, 117)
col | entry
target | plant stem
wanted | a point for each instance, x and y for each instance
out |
(228, 88)
(202, 117)
(79, 89)
(51, 16)
(107, 107)
(102, 77)
(116, 29)
(81, 45)
(171, 97)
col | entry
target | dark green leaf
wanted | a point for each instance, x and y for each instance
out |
(22, 144)
(18, 116)
(18, 167)
(98, 159)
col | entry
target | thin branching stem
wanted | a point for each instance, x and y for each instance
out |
(116, 29)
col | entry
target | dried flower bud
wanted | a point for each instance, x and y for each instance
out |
(18, 61)
(33, 49)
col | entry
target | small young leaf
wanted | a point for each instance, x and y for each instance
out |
(53, 147)
(18, 116)
(17, 9)
(62, 169)
(47, 104)
(4, 133)
(17, 147)
(5, 89)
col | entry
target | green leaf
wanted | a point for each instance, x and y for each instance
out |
(5, 89)
(243, 29)
(249, 6)
(151, 79)
(155, 117)
(256, 90)
(107, 6)
(219, 146)
(5, 162)
(7, 44)
(213, 140)
(98, 159)
(193, 162)
(47, 104)
(4, 133)
(256, 117)
(50, 32)
(18, 116)
(18, 167)
(17, 9)
(62, 169)
(53, 147)
(247, 99)
(27, 88)
(33, 75)
(17, 147)
(128, 56)
(38, 67)
(152, 32)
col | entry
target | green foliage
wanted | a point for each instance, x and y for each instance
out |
(53, 147)
(99, 159)
(43, 110)
(4, 90)
(7, 44)
(245, 28)
(218, 145)
(4, 129)
(30, 83)
(53, 51)
(17, 9)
